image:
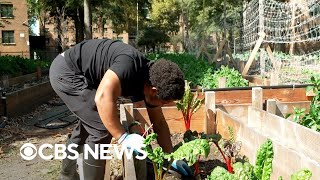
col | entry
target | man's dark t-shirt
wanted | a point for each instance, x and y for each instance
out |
(92, 58)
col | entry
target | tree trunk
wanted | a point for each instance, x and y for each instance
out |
(87, 19)
(81, 25)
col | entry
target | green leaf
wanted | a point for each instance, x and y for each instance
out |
(191, 150)
(263, 167)
(244, 171)
(220, 173)
(303, 174)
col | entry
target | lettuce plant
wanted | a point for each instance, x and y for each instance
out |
(188, 105)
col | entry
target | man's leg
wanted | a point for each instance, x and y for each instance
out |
(74, 90)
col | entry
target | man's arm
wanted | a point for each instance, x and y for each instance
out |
(106, 101)
(160, 127)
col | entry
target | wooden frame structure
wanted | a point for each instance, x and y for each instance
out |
(251, 114)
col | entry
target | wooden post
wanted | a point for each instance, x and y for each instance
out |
(262, 63)
(210, 105)
(131, 166)
(272, 106)
(126, 115)
(222, 82)
(107, 170)
(269, 51)
(219, 50)
(257, 97)
(253, 53)
(129, 172)
(274, 78)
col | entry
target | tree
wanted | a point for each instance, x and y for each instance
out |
(165, 15)
(87, 19)
(151, 37)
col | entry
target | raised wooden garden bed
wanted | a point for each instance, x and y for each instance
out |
(26, 98)
(248, 113)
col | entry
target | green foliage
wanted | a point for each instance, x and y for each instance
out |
(15, 65)
(220, 173)
(191, 150)
(262, 170)
(156, 155)
(244, 171)
(165, 15)
(303, 174)
(311, 119)
(188, 151)
(151, 37)
(194, 69)
(188, 105)
(233, 78)
(263, 167)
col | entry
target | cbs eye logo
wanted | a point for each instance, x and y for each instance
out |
(28, 151)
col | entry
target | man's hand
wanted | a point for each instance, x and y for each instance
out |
(134, 141)
(181, 167)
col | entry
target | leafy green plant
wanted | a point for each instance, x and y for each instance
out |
(194, 69)
(188, 151)
(233, 78)
(312, 118)
(262, 169)
(263, 166)
(15, 65)
(303, 174)
(188, 105)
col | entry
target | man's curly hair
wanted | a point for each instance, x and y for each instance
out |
(168, 78)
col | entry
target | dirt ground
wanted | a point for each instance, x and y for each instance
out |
(19, 131)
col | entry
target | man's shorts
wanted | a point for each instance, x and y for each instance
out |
(74, 90)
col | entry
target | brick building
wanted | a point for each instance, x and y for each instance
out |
(14, 31)
(68, 34)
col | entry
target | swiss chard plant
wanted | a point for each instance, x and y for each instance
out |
(188, 151)
(312, 118)
(262, 169)
(188, 105)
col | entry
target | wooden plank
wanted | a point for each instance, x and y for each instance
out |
(253, 138)
(284, 108)
(210, 108)
(222, 82)
(257, 97)
(253, 53)
(129, 172)
(244, 96)
(133, 168)
(238, 111)
(290, 134)
(174, 118)
(271, 106)
(107, 171)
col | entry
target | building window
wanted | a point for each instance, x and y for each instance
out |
(6, 10)
(7, 37)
